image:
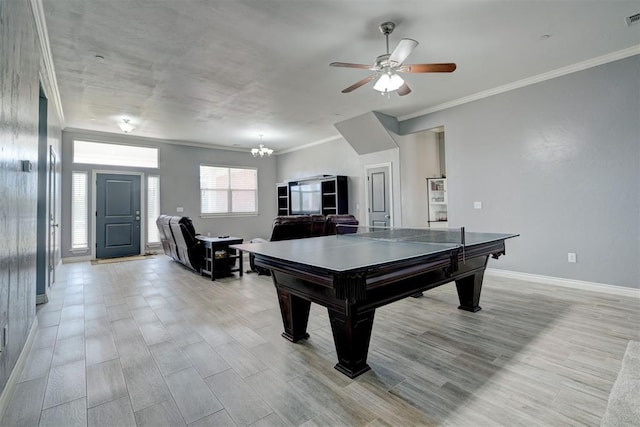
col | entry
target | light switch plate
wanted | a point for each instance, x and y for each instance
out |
(27, 166)
(179, 209)
(477, 205)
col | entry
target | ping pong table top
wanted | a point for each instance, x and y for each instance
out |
(370, 248)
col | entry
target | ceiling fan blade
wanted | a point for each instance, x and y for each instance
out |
(404, 90)
(402, 51)
(428, 68)
(360, 83)
(349, 65)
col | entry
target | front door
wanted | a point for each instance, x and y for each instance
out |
(118, 215)
(379, 203)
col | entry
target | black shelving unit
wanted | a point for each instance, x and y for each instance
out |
(334, 194)
(335, 199)
(282, 191)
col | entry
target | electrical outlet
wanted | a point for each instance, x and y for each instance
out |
(571, 257)
(477, 205)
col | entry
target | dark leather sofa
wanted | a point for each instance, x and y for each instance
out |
(178, 237)
(303, 226)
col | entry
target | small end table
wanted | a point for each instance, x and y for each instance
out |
(212, 265)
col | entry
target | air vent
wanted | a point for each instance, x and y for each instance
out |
(633, 19)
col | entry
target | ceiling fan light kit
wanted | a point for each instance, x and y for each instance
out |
(388, 65)
(388, 82)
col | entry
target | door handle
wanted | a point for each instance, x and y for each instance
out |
(137, 218)
(56, 225)
(387, 216)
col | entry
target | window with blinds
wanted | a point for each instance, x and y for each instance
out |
(79, 211)
(153, 208)
(98, 153)
(225, 191)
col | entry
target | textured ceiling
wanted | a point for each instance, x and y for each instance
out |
(224, 72)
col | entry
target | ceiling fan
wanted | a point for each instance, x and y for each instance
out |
(387, 66)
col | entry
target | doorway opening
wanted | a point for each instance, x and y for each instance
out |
(47, 223)
(423, 157)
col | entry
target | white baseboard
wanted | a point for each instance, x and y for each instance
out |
(16, 373)
(566, 283)
(77, 259)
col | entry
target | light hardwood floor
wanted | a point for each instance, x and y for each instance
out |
(149, 343)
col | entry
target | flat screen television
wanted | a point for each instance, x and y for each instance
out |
(305, 198)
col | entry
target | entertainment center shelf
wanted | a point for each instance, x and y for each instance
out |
(282, 191)
(326, 194)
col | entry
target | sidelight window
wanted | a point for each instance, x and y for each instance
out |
(79, 211)
(153, 208)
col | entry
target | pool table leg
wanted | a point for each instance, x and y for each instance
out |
(351, 334)
(295, 316)
(469, 289)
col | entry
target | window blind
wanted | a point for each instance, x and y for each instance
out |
(153, 208)
(226, 190)
(79, 211)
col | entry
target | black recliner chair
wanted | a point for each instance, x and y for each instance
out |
(302, 226)
(341, 224)
(179, 240)
(190, 249)
(166, 237)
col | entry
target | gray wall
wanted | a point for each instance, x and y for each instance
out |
(179, 185)
(332, 158)
(557, 162)
(20, 65)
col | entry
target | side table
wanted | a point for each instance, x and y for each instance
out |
(212, 265)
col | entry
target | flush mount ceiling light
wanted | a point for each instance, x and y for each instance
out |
(126, 126)
(261, 150)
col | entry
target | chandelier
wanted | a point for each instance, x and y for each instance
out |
(261, 150)
(126, 126)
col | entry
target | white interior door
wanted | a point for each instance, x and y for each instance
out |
(379, 208)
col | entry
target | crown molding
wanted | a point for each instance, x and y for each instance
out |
(50, 82)
(119, 138)
(311, 144)
(593, 62)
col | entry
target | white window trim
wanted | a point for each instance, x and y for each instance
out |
(230, 214)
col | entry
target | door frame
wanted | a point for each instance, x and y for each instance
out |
(94, 206)
(388, 165)
(53, 223)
